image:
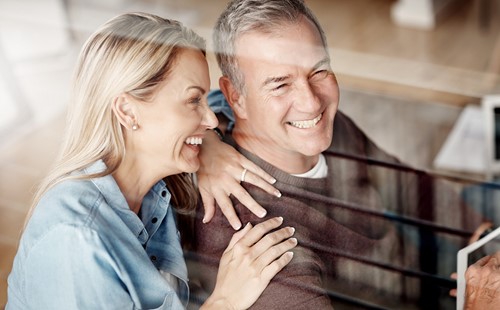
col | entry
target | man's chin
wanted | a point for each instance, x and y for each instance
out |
(314, 147)
(313, 150)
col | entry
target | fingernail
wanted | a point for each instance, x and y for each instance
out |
(273, 180)
(277, 193)
(204, 220)
(294, 240)
(280, 218)
(238, 226)
(292, 230)
(262, 214)
(289, 254)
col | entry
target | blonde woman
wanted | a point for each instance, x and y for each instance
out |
(102, 233)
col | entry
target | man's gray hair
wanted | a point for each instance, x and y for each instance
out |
(242, 16)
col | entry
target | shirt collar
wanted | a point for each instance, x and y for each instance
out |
(107, 186)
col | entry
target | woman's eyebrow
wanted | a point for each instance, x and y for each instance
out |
(201, 89)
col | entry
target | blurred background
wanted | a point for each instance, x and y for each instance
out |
(413, 75)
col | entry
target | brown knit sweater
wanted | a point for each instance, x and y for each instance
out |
(344, 239)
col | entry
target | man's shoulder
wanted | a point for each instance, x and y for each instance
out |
(350, 139)
(347, 136)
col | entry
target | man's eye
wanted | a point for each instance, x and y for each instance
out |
(319, 75)
(281, 86)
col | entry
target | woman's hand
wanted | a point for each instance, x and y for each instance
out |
(253, 257)
(221, 171)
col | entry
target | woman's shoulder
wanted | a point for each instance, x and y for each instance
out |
(70, 202)
(75, 196)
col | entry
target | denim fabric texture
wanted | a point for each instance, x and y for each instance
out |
(83, 248)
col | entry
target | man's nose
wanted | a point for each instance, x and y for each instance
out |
(308, 100)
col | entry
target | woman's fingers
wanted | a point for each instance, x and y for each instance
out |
(238, 235)
(272, 269)
(258, 172)
(271, 245)
(226, 206)
(257, 180)
(208, 205)
(244, 198)
(272, 253)
(262, 247)
(259, 230)
(258, 177)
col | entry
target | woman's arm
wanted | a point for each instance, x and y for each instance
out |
(253, 257)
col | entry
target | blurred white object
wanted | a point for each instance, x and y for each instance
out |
(33, 28)
(421, 14)
(464, 148)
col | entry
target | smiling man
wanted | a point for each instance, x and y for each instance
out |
(279, 83)
(285, 109)
(372, 232)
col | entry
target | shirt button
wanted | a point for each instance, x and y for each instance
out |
(163, 194)
(153, 258)
(154, 220)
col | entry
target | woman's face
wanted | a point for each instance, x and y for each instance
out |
(173, 125)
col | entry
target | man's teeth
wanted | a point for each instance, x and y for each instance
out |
(194, 141)
(306, 124)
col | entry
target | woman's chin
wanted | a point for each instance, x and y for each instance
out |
(191, 166)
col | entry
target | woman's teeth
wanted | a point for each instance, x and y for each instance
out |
(194, 141)
(306, 124)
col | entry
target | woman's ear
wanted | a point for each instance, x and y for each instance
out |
(233, 97)
(125, 112)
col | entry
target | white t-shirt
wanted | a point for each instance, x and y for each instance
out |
(320, 170)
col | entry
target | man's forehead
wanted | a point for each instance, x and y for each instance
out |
(280, 50)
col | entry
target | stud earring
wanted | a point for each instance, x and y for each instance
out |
(135, 127)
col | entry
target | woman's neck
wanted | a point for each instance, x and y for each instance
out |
(134, 182)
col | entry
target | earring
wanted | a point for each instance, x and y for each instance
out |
(135, 127)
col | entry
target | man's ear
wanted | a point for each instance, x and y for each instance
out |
(125, 112)
(233, 97)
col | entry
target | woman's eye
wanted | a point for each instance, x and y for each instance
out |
(196, 100)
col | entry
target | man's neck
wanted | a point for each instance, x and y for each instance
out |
(290, 162)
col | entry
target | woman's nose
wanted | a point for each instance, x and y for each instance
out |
(209, 118)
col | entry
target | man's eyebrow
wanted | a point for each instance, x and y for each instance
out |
(278, 79)
(275, 79)
(324, 61)
(201, 89)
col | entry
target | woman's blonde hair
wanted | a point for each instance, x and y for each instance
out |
(132, 53)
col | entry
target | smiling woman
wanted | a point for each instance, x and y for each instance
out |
(102, 231)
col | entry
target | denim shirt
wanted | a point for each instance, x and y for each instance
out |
(83, 248)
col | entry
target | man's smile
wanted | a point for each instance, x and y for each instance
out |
(306, 123)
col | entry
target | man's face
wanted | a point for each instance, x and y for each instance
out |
(290, 93)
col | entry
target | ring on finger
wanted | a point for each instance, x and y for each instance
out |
(243, 174)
